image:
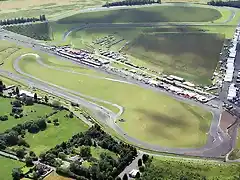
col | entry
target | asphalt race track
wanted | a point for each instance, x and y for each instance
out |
(218, 142)
(217, 145)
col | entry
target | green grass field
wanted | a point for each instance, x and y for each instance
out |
(6, 109)
(177, 168)
(185, 52)
(6, 167)
(148, 110)
(54, 135)
(148, 14)
(96, 151)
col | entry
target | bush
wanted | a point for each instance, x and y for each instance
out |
(141, 168)
(55, 120)
(49, 121)
(4, 118)
(56, 124)
(145, 157)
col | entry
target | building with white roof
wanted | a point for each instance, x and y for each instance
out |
(133, 173)
(232, 92)
(27, 93)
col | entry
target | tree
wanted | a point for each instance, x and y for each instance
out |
(141, 168)
(41, 123)
(85, 152)
(20, 153)
(46, 99)
(29, 161)
(71, 115)
(1, 86)
(56, 104)
(139, 162)
(35, 97)
(11, 138)
(17, 91)
(118, 178)
(28, 101)
(62, 155)
(125, 177)
(2, 145)
(145, 157)
(16, 173)
(33, 128)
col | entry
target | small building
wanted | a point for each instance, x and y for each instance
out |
(27, 93)
(176, 78)
(188, 84)
(134, 173)
(9, 87)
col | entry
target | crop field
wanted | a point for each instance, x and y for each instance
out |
(28, 111)
(54, 135)
(175, 168)
(6, 167)
(185, 52)
(148, 14)
(149, 110)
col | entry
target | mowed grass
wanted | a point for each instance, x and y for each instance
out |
(175, 168)
(191, 56)
(147, 14)
(6, 167)
(6, 109)
(97, 151)
(54, 135)
(186, 52)
(148, 114)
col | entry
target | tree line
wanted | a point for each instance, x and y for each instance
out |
(106, 168)
(22, 20)
(131, 3)
(235, 4)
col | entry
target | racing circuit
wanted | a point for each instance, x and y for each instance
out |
(219, 143)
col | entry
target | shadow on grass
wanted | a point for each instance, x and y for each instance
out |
(165, 120)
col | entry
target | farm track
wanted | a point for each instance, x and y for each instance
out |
(215, 147)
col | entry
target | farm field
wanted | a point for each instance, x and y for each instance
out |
(175, 168)
(54, 135)
(6, 109)
(185, 52)
(6, 167)
(55, 176)
(151, 116)
(148, 14)
(51, 8)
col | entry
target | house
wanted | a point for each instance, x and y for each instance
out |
(27, 93)
(134, 173)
